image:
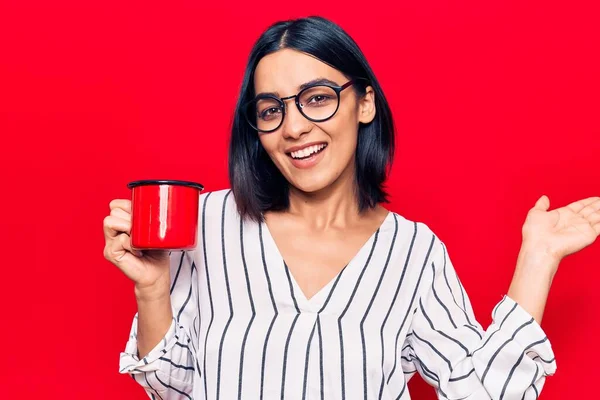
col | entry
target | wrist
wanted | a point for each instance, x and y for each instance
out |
(156, 291)
(534, 259)
(532, 280)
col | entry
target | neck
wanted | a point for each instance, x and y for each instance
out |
(335, 205)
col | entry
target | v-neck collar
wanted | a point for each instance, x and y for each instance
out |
(319, 300)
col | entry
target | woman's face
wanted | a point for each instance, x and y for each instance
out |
(334, 140)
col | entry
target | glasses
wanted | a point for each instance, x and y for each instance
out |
(317, 103)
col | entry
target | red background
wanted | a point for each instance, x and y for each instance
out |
(496, 103)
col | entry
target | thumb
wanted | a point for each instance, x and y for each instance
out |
(542, 204)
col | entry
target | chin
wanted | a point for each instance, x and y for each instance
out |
(311, 184)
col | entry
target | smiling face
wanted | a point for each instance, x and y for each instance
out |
(311, 155)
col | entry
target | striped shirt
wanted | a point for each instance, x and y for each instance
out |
(242, 328)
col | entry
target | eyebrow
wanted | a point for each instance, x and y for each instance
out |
(312, 82)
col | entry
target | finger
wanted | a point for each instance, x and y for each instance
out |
(120, 213)
(596, 227)
(579, 205)
(124, 204)
(113, 226)
(125, 242)
(594, 218)
(115, 253)
(119, 246)
(590, 209)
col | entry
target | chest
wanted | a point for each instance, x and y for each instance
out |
(314, 261)
(339, 303)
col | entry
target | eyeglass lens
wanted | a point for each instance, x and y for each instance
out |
(317, 103)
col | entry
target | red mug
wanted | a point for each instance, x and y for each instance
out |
(164, 214)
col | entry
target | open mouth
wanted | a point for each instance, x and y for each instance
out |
(307, 152)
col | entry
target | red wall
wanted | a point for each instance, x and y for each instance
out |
(496, 103)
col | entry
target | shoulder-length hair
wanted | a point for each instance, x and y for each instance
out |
(257, 184)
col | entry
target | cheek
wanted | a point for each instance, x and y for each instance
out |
(268, 143)
(345, 121)
(343, 130)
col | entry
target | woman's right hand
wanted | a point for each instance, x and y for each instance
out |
(149, 270)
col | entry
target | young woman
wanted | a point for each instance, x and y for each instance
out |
(303, 286)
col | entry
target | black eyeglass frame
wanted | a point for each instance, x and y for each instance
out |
(281, 101)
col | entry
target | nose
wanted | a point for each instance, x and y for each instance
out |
(294, 123)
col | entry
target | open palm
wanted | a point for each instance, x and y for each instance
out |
(565, 230)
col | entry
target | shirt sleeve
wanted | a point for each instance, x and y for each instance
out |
(450, 350)
(167, 372)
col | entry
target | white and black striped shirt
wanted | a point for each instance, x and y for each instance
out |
(242, 328)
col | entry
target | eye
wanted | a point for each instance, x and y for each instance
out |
(318, 96)
(270, 113)
(319, 99)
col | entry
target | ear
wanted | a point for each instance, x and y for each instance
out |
(366, 106)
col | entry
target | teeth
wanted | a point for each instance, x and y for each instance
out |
(307, 151)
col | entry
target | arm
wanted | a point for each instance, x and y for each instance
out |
(548, 237)
(510, 360)
(532, 280)
(154, 315)
(166, 364)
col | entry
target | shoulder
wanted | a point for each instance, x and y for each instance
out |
(215, 196)
(214, 205)
(418, 234)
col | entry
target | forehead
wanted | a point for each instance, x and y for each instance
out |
(283, 72)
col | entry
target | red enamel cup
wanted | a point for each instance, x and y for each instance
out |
(164, 214)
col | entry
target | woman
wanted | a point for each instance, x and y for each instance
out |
(303, 285)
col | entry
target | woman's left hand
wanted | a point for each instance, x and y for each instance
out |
(562, 231)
